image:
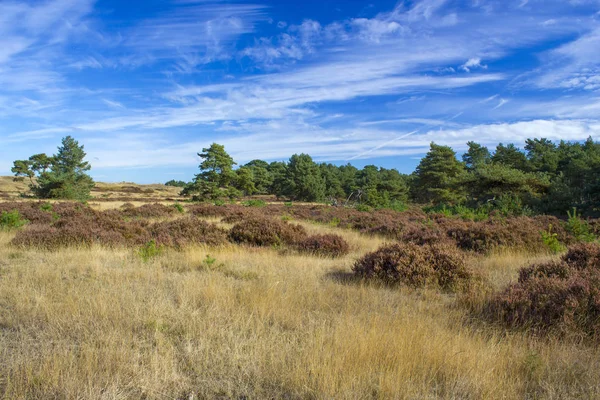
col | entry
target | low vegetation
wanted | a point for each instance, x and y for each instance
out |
(409, 264)
(471, 293)
(558, 296)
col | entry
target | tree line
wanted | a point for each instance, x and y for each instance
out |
(544, 177)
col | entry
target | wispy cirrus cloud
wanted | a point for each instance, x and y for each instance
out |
(179, 74)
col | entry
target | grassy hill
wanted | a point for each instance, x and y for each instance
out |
(123, 191)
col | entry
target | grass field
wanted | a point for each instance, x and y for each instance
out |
(100, 323)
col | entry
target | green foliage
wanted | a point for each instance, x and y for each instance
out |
(476, 156)
(11, 220)
(62, 176)
(579, 227)
(175, 183)
(439, 176)
(209, 261)
(364, 208)
(254, 203)
(288, 204)
(179, 208)
(551, 241)
(304, 180)
(244, 181)
(149, 250)
(262, 177)
(46, 207)
(216, 173)
(510, 156)
(219, 203)
(397, 205)
(547, 177)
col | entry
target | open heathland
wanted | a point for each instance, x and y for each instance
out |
(161, 300)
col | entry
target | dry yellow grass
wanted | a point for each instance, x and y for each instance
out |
(102, 324)
(135, 193)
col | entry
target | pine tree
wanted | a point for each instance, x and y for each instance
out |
(304, 180)
(439, 176)
(63, 176)
(476, 156)
(216, 173)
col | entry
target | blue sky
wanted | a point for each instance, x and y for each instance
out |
(144, 85)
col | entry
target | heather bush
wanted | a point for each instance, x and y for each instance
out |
(29, 211)
(187, 231)
(154, 210)
(483, 237)
(415, 265)
(266, 232)
(559, 296)
(328, 245)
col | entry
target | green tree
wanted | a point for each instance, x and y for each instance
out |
(176, 183)
(278, 171)
(216, 173)
(494, 180)
(348, 175)
(304, 181)
(22, 169)
(542, 155)
(511, 156)
(63, 176)
(333, 185)
(41, 162)
(438, 177)
(476, 155)
(262, 177)
(244, 181)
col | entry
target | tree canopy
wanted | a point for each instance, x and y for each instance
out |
(62, 176)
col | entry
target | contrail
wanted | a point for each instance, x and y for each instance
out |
(382, 145)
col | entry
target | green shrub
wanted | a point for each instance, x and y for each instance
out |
(334, 222)
(208, 261)
(179, 208)
(11, 220)
(397, 205)
(219, 203)
(46, 207)
(364, 208)
(579, 227)
(254, 203)
(149, 250)
(288, 204)
(551, 241)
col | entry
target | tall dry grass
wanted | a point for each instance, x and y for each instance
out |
(259, 323)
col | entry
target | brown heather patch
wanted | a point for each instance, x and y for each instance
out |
(416, 265)
(153, 210)
(187, 231)
(266, 232)
(31, 211)
(555, 297)
(327, 245)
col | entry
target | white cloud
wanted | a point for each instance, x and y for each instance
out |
(472, 63)
(575, 65)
